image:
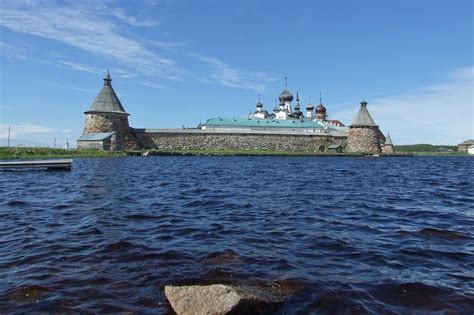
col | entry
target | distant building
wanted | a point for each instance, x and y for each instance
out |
(463, 147)
(470, 150)
(388, 145)
(106, 141)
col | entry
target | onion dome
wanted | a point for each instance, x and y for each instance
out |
(309, 106)
(286, 96)
(320, 109)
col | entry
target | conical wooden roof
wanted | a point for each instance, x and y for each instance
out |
(388, 140)
(363, 118)
(107, 101)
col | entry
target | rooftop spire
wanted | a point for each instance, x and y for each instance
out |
(297, 97)
(107, 78)
(286, 82)
(320, 99)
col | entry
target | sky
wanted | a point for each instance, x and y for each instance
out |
(177, 63)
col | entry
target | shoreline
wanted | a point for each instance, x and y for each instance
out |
(28, 153)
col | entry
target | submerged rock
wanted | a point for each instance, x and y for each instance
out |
(222, 299)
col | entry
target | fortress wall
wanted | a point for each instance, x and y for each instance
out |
(363, 140)
(183, 141)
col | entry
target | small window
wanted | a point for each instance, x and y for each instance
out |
(106, 116)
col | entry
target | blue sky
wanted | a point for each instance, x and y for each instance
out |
(174, 63)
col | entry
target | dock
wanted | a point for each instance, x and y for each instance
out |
(50, 165)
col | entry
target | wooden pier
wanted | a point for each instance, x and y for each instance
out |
(50, 165)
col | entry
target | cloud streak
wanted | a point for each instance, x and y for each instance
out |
(226, 75)
(78, 67)
(84, 27)
(130, 20)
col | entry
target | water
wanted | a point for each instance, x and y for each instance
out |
(345, 235)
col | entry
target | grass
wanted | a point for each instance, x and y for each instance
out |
(216, 152)
(46, 153)
(425, 148)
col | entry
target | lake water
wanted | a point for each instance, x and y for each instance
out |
(348, 235)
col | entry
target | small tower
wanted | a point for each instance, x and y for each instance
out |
(260, 113)
(107, 114)
(286, 98)
(321, 110)
(309, 110)
(297, 103)
(388, 146)
(259, 104)
(363, 134)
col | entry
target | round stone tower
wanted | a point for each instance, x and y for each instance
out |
(107, 114)
(363, 134)
(388, 145)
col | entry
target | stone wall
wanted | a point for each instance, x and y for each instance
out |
(186, 141)
(363, 140)
(110, 122)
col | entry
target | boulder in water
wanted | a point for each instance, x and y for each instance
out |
(222, 299)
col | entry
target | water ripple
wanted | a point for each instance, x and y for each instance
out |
(350, 235)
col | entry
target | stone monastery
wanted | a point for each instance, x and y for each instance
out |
(285, 128)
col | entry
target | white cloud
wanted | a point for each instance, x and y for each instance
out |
(28, 134)
(22, 129)
(167, 45)
(224, 74)
(153, 85)
(12, 51)
(437, 114)
(74, 88)
(79, 67)
(86, 27)
(120, 14)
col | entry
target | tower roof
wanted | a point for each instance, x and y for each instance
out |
(320, 108)
(388, 140)
(363, 118)
(286, 96)
(107, 100)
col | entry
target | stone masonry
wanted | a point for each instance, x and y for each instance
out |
(187, 141)
(363, 140)
(111, 122)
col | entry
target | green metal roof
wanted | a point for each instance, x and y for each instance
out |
(261, 123)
